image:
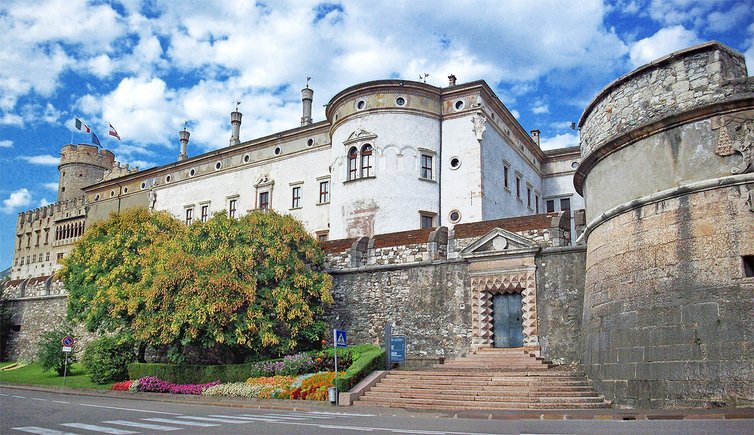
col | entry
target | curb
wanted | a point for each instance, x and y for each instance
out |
(311, 406)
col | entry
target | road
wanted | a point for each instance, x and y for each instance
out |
(52, 413)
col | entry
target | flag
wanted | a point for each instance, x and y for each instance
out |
(113, 132)
(83, 127)
(95, 140)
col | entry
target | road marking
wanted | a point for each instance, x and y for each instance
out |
(141, 425)
(284, 417)
(60, 401)
(128, 409)
(41, 430)
(38, 398)
(19, 397)
(248, 419)
(3, 394)
(365, 429)
(216, 420)
(95, 428)
(341, 414)
(186, 423)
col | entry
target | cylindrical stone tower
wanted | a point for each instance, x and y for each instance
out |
(235, 123)
(80, 166)
(307, 96)
(667, 178)
(183, 135)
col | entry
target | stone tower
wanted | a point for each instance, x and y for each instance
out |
(80, 166)
(668, 316)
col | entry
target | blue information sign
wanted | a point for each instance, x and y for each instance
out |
(340, 338)
(397, 348)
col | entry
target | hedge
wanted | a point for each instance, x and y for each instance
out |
(191, 374)
(368, 361)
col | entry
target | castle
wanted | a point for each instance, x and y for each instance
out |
(440, 215)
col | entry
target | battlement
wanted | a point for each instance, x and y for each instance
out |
(58, 210)
(86, 154)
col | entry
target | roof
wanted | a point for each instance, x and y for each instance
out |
(514, 224)
(401, 238)
(340, 245)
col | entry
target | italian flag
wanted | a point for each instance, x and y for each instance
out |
(82, 127)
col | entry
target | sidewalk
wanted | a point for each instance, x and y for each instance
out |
(313, 406)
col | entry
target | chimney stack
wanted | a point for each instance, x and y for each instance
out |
(184, 136)
(451, 80)
(535, 136)
(235, 123)
(307, 96)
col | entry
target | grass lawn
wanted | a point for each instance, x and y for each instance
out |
(33, 374)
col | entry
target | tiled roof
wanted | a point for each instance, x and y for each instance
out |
(38, 279)
(514, 224)
(340, 245)
(402, 238)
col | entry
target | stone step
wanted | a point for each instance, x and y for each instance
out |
(477, 398)
(386, 390)
(490, 373)
(471, 405)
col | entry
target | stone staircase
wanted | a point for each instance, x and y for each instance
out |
(488, 379)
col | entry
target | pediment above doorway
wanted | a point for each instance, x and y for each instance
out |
(360, 135)
(499, 242)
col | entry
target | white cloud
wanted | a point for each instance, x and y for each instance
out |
(51, 186)
(665, 41)
(540, 108)
(45, 160)
(559, 141)
(43, 202)
(515, 113)
(749, 53)
(19, 198)
(6, 143)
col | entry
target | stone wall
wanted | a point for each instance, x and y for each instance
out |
(560, 300)
(428, 303)
(668, 312)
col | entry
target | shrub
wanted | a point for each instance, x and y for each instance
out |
(298, 364)
(325, 361)
(106, 359)
(122, 386)
(192, 374)
(368, 361)
(49, 352)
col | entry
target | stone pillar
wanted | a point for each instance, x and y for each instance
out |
(235, 122)
(307, 96)
(184, 137)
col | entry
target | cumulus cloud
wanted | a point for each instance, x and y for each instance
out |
(540, 108)
(44, 160)
(18, 199)
(43, 202)
(559, 141)
(665, 41)
(6, 143)
(51, 186)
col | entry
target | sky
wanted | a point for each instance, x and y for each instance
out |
(148, 67)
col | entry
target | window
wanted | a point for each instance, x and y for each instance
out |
(518, 187)
(322, 236)
(748, 264)
(506, 171)
(528, 196)
(34, 258)
(59, 257)
(232, 208)
(264, 200)
(324, 192)
(426, 220)
(22, 261)
(296, 197)
(47, 235)
(565, 205)
(36, 245)
(550, 205)
(366, 161)
(205, 213)
(189, 215)
(536, 204)
(352, 157)
(454, 216)
(47, 256)
(426, 161)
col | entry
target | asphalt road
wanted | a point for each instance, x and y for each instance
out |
(52, 413)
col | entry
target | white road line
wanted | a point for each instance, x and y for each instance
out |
(141, 425)
(216, 420)
(185, 423)
(247, 419)
(3, 394)
(295, 416)
(95, 428)
(60, 401)
(41, 430)
(333, 426)
(341, 414)
(38, 398)
(19, 397)
(128, 409)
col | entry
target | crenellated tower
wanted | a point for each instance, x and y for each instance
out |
(80, 166)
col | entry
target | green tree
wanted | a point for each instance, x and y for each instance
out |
(106, 359)
(50, 348)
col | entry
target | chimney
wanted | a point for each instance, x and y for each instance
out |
(535, 136)
(235, 122)
(451, 80)
(184, 136)
(307, 95)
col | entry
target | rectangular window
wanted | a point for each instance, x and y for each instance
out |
(506, 184)
(36, 245)
(232, 208)
(322, 236)
(205, 213)
(34, 258)
(528, 196)
(22, 261)
(748, 264)
(296, 197)
(550, 205)
(59, 257)
(47, 256)
(264, 200)
(426, 220)
(20, 242)
(324, 192)
(565, 204)
(426, 167)
(47, 235)
(28, 240)
(518, 187)
(189, 215)
(536, 204)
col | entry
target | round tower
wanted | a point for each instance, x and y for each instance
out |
(80, 166)
(666, 173)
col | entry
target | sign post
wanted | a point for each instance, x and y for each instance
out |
(397, 348)
(339, 340)
(67, 343)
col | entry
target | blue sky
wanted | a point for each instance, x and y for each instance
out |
(147, 67)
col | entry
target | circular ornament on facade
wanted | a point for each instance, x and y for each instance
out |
(246, 158)
(278, 151)
(361, 104)
(400, 101)
(458, 105)
(112, 193)
(310, 142)
(454, 216)
(96, 197)
(125, 190)
(168, 178)
(192, 172)
(575, 165)
(143, 185)
(455, 163)
(218, 165)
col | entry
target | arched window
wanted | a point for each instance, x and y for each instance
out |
(366, 161)
(352, 157)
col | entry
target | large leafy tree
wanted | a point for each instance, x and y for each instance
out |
(249, 285)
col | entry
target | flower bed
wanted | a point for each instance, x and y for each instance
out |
(152, 384)
(305, 387)
(122, 386)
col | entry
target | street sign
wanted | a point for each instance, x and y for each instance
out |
(397, 348)
(67, 348)
(67, 341)
(340, 338)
